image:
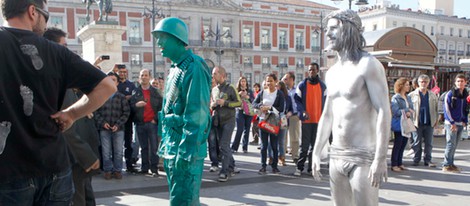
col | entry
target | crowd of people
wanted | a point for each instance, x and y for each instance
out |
(167, 126)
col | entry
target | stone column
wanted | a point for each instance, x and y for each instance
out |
(102, 38)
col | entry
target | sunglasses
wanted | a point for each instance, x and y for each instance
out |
(43, 12)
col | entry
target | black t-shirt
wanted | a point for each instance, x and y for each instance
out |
(34, 74)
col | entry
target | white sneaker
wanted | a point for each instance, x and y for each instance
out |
(410, 152)
(297, 172)
(214, 169)
(223, 178)
(236, 170)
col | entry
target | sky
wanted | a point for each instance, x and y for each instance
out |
(460, 6)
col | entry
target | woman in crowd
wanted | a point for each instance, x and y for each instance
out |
(400, 102)
(243, 120)
(255, 129)
(268, 101)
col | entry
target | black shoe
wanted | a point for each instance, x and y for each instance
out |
(429, 164)
(262, 171)
(415, 164)
(275, 171)
(131, 170)
(144, 172)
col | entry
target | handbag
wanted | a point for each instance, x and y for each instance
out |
(270, 124)
(248, 108)
(283, 121)
(407, 125)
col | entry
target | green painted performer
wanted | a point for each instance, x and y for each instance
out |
(185, 115)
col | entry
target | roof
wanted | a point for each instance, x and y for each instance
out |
(300, 3)
(373, 36)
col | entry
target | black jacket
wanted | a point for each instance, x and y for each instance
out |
(155, 100)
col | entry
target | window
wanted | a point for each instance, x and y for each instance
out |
(468, 33)
(283, 39)
(414, 25)
(57, 22)
(299, 63)
(135, 60)
(316, 41)
(423, 29)
(394, 24)
(298, 78)
(451, 31)
(404, 24)
(247, 62)
(460, 33)
(247, 41)
(265, 39)
(299, 41)
(432, 30)
(82, 22)
(442, 30)
(228, 35)
(249, 79)
(265, 63)
(374, 27)
(134, 32)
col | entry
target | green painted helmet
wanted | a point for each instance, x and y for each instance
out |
(173, 26)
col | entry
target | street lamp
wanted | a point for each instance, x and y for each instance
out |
(153, 13)
(319, 34)
(227, 34)
(358, 2)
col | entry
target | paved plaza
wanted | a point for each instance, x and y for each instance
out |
(417, 186)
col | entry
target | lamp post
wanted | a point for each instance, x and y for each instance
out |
(358, 2)
(227, 34)
(153, 13)
(319, 34)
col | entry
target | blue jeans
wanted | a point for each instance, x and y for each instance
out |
(147, 134)
(214, 151)
(224, 132)
(399, 146)
(243, 126)
(452, 140)
(112, 144)
(266, 140)
(281, 147)
(54, 190)
(424, 133)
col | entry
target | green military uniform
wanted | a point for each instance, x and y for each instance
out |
(185, 122)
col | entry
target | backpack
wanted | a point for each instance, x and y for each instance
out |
(441, 102)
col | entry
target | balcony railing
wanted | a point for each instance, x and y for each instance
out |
(299, 47)
(248, 45)
(442, 51)
(247, 64)
(135, 40)
(266, 46)
(315, 48)
(283, 46)
(451, 52)
(214, 44)
(460, 53)
(299, 66)
(136, 62)
(266, 65)
(282, 65)
(468, 53)
(160, 62)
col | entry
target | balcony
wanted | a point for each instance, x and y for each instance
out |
(451, 52)
(299, 47)
(468, 53)
(135, 40)
(266, 46)
(160, 62)
(300, 66)
(282, 65)
(460, 53)
(266, 65)
(213, 44)
(315, 48)
(442, 51)
(247, 45)
(136, 62)
(283, 46)
(247, 64)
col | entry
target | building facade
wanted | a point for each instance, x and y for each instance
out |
(249, 38)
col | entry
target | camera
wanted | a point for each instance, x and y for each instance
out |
(105, 57)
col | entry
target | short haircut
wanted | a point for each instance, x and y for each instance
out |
(399, 84)
(54, 34)
(221, 71)
(257, 85)
(16, 8)
(291, 75)
(272, 76)
(423, 77)
(460, 76)
(112, 74)
(315, 64)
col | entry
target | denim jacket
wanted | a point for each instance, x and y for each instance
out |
(398, 104)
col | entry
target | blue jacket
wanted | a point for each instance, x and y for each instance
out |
(455, 108)
(398, 104)
(300, 99)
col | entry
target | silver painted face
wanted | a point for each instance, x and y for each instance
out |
(333, 34)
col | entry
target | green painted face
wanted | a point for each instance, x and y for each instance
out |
(170, 46)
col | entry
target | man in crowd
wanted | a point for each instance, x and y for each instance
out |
(294, 121)
(126, 87)
(82, 139)
(225, 99)
(35, 75)
(310, 98)
(425, 119)
(146, 102)
(357, 111)
(456, 118)
(185, 113)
